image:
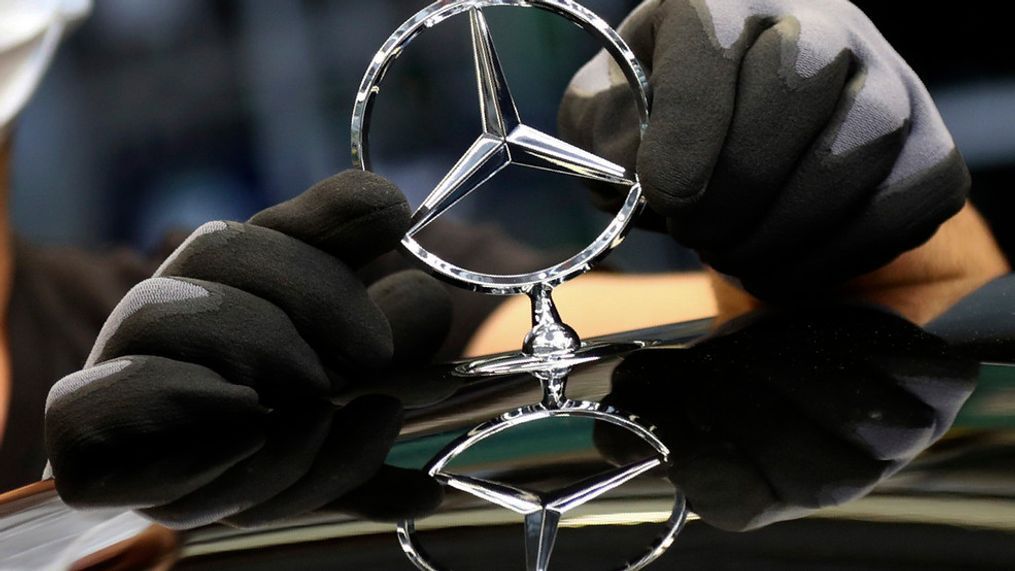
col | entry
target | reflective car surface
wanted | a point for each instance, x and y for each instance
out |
(827, 437)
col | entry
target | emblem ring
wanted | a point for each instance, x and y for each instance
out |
(618, 228)
(582, 409)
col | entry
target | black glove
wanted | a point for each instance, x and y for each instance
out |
(779, 414)
(789, 144)
(209, 392)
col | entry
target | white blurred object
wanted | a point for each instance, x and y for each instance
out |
(30, 31)
(40, 533)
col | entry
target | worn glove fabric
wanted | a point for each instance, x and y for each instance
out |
(780, 413)
(209, 392)
(789, 144)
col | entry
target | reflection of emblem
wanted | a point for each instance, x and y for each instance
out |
(543, 511)
(551, 349)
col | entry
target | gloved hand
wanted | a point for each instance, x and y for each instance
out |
(780, 413)
(209, 392)
(789, 144)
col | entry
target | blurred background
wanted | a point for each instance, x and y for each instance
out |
(163, 115)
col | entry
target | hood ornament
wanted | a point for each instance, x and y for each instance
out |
(552, 348)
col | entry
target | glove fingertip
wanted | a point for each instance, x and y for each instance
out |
(354, 215)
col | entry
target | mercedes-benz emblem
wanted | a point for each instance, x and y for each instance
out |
(542, 512)
(552, 348)
(506, 141)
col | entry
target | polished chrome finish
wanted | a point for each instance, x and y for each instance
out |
(541, 525)
(540, 535)
(484, 159)
(542, 512)
(522, 363)
(506, 140)
(550, 337)
(406, 533)
(552, 348)
(587, 490)
(500, 115)
(535, 149)
(579, 264)
(554, 382)
(503, 495)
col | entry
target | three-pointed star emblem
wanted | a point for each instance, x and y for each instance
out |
(506, 140)
(543, 511)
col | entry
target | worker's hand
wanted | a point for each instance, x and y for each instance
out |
(781, 413)
(209, 392)
(789, 144)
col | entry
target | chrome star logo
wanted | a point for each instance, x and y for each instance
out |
(551, 348)
(543, 512)
(506, 140)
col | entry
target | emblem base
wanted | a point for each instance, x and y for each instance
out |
(522, 363)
